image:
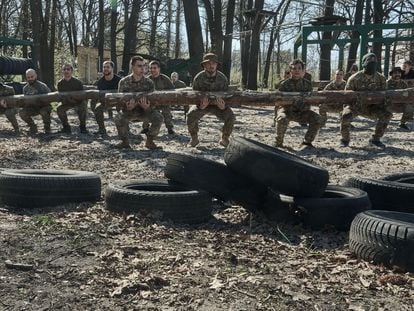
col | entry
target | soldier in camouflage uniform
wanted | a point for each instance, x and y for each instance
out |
(407, 73)
(297, 111)
(161, 82)
(352, 70)
(335, 85)
(210, 80)
(69, 84)
(395, 83)
(367, 79)
(178, 84)
(140, 109)
(9, 112)
(35, 87)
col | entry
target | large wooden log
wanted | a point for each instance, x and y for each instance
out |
(189, 97)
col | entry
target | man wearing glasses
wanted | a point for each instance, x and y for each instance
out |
(137, 109)
(68, 84)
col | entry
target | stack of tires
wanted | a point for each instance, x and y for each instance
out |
(299, 185)
(385, 235)
(33, 188)
(14, 66)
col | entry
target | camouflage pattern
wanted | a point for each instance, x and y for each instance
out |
(162, 82)
(80, 106)
(308, 76)
(10, 113)
(325, 108)
(407, 110)
(363, 82)
(202, 82)
(128, 84)
(44, 110)
(296, 112)
(178, 84)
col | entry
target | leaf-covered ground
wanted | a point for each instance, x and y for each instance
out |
(82, 257)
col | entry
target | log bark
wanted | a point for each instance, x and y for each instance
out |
(187, 96)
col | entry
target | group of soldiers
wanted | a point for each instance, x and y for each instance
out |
(367, 79)
(210, 79)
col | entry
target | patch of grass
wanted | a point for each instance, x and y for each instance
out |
(43, 220)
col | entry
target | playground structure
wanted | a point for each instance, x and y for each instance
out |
(365, 37)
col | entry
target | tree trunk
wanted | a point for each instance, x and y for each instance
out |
(325, 62)
(246, 27)
(353, 48)
(194, 36)
(378, 19)
(169, 22)
(228, 38)
(177, 46)
(255, 46)
(114, 15)
(101, 36)
(130, 34)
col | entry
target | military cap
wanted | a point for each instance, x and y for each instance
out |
(209, 57)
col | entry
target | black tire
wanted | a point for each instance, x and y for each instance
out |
(384, 237)
(215, 178)
(386, 195)
(336, 208)
(29, 188)
(175, 202)
(407, 177)
(281, 171)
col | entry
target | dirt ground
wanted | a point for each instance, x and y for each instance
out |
(82, 257)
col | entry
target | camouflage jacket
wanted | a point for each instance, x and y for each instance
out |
(292, 85)
(36, 88)
(396, 84)
(299, 85)
(204, 83)
(178, 84)
(363, 82)
(128, 84)
(162, 82)
(332, 86)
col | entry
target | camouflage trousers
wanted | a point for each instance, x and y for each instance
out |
(151, 116)
(374, 112)
(225, 115)
(407, 111)
(27, 113)
(98, 110)
(166, 113)
(10, 114)
(325, 108)
(286, 114)
(80, 108)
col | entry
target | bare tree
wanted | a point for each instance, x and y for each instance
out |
(194, 36)
(130, 32)
(177, 47)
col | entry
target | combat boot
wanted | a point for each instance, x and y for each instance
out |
(224, 140)
(149, 143)
(123, 145)
(66, 129)
(194, 140)
(33, 129)
(47, 128)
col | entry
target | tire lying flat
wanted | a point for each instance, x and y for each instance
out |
(384, 237)
(175, 202)
(386, 194)
(215, 178)
(29, 188)
(277, 169)
(337, 207)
